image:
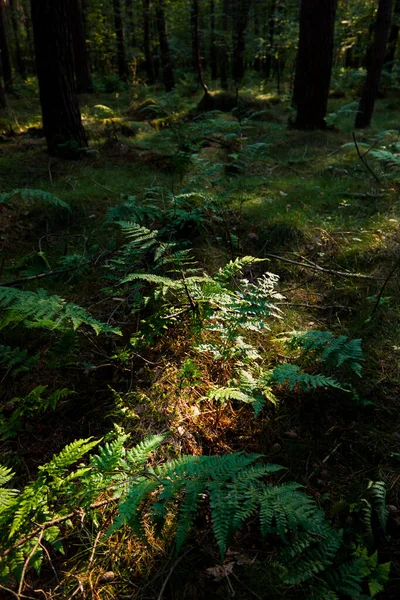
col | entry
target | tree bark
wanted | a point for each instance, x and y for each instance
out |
(166, 62)
(30, 49)
(62, 123)
(130, 24)
(196, 56)
(271, 33)
(314, 63)
(4, 51)
(3, 102)
(19, 62)
(81, 55)
(119, 32)
(240, 18)
(213, 48)
(393, 37)
(223, 54)
(375, 60)
(149, 67)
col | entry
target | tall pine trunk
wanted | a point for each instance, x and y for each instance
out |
(196, 56)
(166, 62)
(213, 47)
(119, 32)
(3, 102)
(19, 62)
(62, 123)
(393, 37)
(130, 25)
(374, 61)
(81, 54)
(223, 54)
(271, 34)
(5, 54)
(240, 18)
(314, 63)
(148, 64)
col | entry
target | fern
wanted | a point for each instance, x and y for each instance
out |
(35, 196)
(293, 376)
(6, 494)
(15, 360)
(39, 310)
(26, 408)
(334, 351)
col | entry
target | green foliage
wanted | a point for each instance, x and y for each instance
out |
(293, 376)
(24, 409)
(39, 310)
(334, 351)
(35, 197)
(15, 360)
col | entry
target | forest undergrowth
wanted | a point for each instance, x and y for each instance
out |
(199, 360)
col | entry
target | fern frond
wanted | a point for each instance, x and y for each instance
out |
(37, 309)
(334, 351)
(6, 494)
(292, 375)
(35, 196)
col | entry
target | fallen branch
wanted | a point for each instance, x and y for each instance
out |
(316, 267)
(51, 523)
(364, 162)
(40, 276)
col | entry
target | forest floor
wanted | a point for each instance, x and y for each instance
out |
(321, 208)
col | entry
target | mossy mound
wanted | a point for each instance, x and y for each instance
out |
(145, 111)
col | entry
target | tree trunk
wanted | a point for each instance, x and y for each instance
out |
(54, 63)
(3, 103)
(314, 63)
(5, 55)
(19, 62)
(81, 55)
(223, 54)
(148, 65)
(30, 49)
(240, 18)
(119, 32)
(393, 37)
(375, 61)
(166, 62)
(196, 57)
(130, 28)
(271, 32)
(194, 27)
(213, 48)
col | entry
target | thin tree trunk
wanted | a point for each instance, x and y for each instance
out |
(3, 102)
(271, 32)
(393, 37)
(375, 61)
(213, 48)
(146, 42)
(5, 54)
(194, 27)
(30, 50)
(196, 57)
(240, 18)
(81, 55)
(314, 63)
(166, 62)
(119, 32)
(223, 54)
(19, 62)
(130, 24)
(62, 123)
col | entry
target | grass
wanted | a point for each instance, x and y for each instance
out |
(307, 199)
